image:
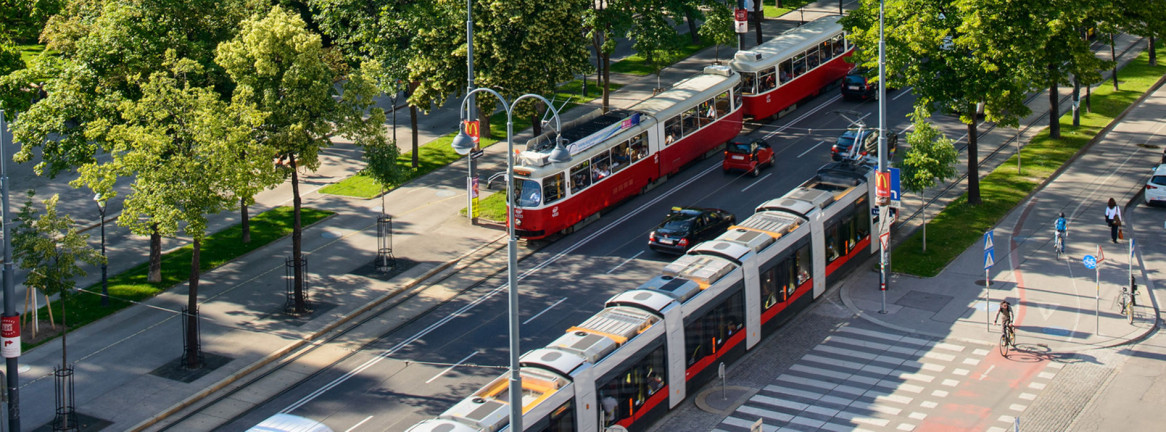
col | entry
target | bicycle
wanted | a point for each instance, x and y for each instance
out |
(1059, 241)
(1007, 339)
(1126, 301)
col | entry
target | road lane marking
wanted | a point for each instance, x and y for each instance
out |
(985, 374)
(756, 182)
(552, 306)
(444, 371)
(811, 148)
(358, 424)
(625, 261)
(902, 93)
(802, 117)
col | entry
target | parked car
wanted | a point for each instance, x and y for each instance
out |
(684, 227)
(747, 157)
(869, 139)
(857, 86)
(1155, 192)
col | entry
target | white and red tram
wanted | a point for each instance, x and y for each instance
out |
(777, 74)
(619, 154)
(651, 346)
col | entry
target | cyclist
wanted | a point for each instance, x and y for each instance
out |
(1062, 227)
(1006, 311)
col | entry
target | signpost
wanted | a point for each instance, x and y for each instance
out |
(896, 189)
(989, 260)
(1091, 263)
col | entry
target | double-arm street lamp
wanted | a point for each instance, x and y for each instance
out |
(462, 144)
(104, 266)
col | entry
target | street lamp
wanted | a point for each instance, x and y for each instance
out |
(462, 144)
(100, 199)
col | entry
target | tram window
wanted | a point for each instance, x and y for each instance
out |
(769, 293)
(580, 177)
(747, 82)
(737, 95)
(849, 234)
(562, 419)
(529, 194)
(722, 104)
(799, 65)
(639, 146)
(812, 58)
(706, 335)
(622, 394)
(785, 71)
(553, 188)
(707, 112)
(833, 243)
(862, 214)
(620, 157)
(690, 124)
(672, 130)
(788, 277)
(803, 264)
(767, 81)
(826, 52)
(839, 43)
(600, 166)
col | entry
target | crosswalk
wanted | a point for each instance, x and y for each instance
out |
(867, 379)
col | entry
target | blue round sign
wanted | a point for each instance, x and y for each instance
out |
(1090, 262)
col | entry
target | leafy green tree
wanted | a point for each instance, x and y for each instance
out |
(930, 160)
(280, 66)
(653, 36)
(49, 247)
(180, 143)
(718, 27)
(931, 47)
(604, 21)
(1144, 19)
(23, 20)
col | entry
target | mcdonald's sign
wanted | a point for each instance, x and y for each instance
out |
(474, 131)
(882, 184)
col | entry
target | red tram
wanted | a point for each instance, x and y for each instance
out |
(778, 74)
(620, 153)
(651, 346)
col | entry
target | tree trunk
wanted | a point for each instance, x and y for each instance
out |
(973, 163)
(923, 206)
(192, 348)
(1076, 101)
(297, 242)
(484, 120)
(1113, 56)
(1153, 52)
(155, 272)
(1054, 109)
(692, 33)
(606, 82)
(757, 20)
(1088, 107)
(245, 220)
(413, 124)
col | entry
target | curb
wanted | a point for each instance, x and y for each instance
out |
(232, 378)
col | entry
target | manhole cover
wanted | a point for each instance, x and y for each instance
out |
(980, 282)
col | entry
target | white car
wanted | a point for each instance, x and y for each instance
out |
(1155, 192)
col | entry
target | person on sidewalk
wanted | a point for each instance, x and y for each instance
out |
(1113, 219)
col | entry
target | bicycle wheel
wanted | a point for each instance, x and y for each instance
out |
(1129, 309)
(1004, 343)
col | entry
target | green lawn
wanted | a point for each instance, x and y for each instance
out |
(492, 207)
(437, 153)
(29, 52)
(218, 249)
(959, 225)
(637, 65)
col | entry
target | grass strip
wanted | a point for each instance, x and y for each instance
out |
(217, 249)
(635, 64)
(960, 225)
(437, 153)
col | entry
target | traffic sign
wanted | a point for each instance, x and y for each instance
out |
(1100, 254)
(885, 240)
(1090, 262)
(896, 194)
(988, 240)
(989, 258)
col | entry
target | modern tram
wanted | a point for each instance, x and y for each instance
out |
(618, 154)
(780, 73)
(650, 347)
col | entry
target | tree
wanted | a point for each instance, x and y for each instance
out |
(930, 160)
(1144, 19)
(49, 247)
(931, 48)
(718, 27)
(604, 20)
(653, 36)
(22, 20)
(181, 145)
(280, 66)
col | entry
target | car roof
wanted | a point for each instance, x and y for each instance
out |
(1160, 169)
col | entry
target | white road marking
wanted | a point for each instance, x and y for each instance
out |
(756, 182)
(358, 424)
(811, 148)
(902, 93)
(443, 372)
(625, 261)
(985, 374)
(552, 306)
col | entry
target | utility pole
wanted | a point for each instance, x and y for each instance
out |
(10, 328)
(471, 109)
(884, 209)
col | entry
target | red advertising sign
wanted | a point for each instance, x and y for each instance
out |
(473, 130)
(10, 336)
(741, 15)
(883, 184)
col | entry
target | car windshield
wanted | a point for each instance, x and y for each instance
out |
(680, 224)
(855, 79)
(736, 147)
(529, 193)
(844, 142)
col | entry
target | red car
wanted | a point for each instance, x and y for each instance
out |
(748, 157)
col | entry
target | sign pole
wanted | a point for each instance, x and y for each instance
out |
(987, 302)
(989, 260)
(1097, 300)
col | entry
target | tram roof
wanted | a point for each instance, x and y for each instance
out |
(794, 40)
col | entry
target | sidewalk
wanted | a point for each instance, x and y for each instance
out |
(1056, 300)
(126, 365)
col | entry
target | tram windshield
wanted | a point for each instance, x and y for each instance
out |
(529, 193)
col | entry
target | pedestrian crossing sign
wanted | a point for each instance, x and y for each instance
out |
(989, 259)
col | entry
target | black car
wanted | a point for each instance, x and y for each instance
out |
(857, 86)
(870, 144)
(687, 226)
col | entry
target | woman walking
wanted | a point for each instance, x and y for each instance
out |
(1113, 219)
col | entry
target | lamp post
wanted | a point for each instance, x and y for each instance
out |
(462, 144)
(100, 199)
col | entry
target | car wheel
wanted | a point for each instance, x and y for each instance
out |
(756, 171)
(772, 160)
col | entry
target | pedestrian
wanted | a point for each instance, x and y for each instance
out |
(1113, 219)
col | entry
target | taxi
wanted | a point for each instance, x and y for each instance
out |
(685, 227)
